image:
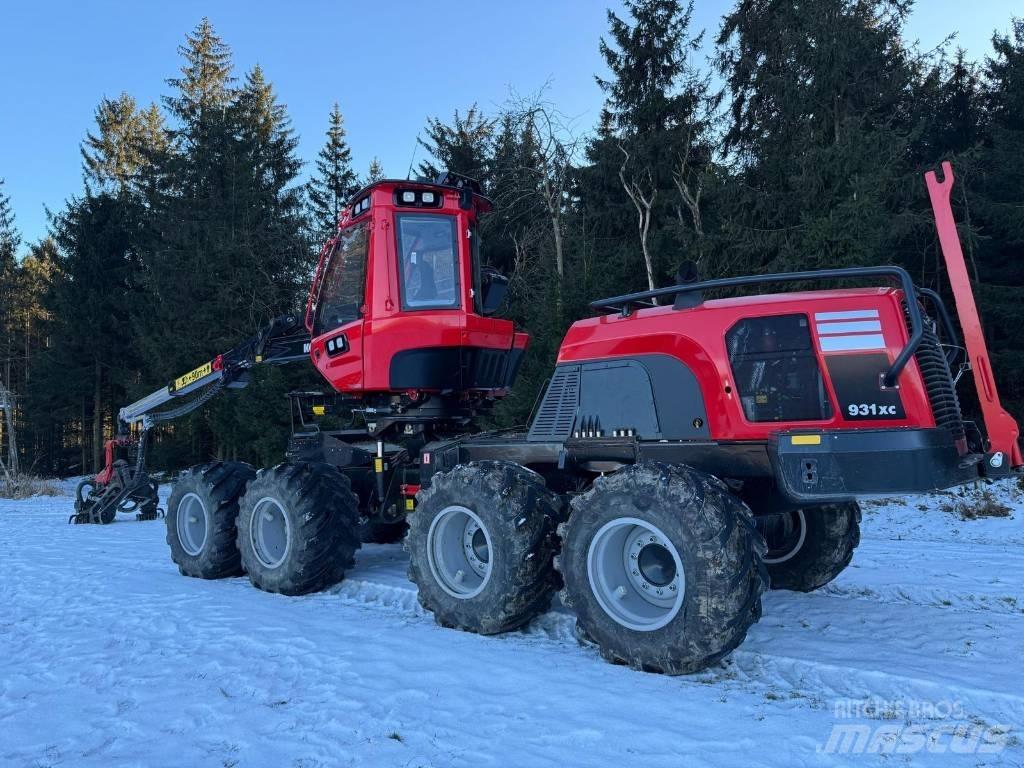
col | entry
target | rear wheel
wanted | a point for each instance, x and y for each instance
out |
(482, 542)
(298, 528)
(200, 520)
(808, 548)
(663, 568)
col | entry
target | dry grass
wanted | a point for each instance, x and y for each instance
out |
(26, 486)
(974, 506)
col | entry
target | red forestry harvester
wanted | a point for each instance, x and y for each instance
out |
(684, 457)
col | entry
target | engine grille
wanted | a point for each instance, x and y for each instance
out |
(557, 411)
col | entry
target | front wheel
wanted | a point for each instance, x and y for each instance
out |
(298, 528)
(662, 566)
(201, 516)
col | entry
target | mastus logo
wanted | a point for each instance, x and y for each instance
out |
(946, 729)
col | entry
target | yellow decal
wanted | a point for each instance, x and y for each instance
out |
(193, 376)
(319, 410)
(410, 504)
(806, 439)
(378, 465)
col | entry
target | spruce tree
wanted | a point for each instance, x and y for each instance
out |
(10, 240)
(225, 250)
(335, 181)
(658, 128)
(114, 155)
(91, 317)
(192, 226)
(375, 172)
(951, 107)
(820, 118)
(463, 146)
(996, 208)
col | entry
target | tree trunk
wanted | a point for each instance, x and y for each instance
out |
(83, 457)
(645, 211)
(12, 441)
(97, 419)
(7, 405)
(645, 226)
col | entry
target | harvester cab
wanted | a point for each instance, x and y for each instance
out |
(401, 308)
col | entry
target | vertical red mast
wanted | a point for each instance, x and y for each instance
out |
(1001, 428)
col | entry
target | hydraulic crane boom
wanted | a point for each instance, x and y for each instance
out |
(125, 486)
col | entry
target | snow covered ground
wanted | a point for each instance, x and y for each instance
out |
(108, 657)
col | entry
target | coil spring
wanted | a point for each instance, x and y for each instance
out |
(938, 381)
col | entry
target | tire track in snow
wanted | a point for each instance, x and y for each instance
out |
(908, 646)
(953, 576)
(797, 650)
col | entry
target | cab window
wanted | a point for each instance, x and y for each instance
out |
(776, 370)
(428, 261)
(344, 282)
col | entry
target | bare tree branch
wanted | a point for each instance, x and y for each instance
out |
(643, 201)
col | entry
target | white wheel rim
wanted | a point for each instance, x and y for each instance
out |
(191, 524)
(791, 553)
(459, 552)
(270, 532)
(636, 574)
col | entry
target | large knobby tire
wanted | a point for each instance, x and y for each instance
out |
(201, 514)
(662, 565)
(298, 528)
(808, 548)
(482, 544)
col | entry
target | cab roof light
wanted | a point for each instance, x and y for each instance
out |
(418, 198)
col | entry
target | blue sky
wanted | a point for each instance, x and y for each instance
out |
(389, 64)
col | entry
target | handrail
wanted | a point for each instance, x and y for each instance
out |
(623, 304)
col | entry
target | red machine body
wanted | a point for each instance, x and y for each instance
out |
(105, 475)
(398, 236)
(847, 324)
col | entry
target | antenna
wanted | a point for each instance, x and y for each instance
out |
(415, 146)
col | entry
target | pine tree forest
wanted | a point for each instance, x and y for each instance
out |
(799, 144)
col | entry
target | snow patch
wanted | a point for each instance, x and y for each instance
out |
(110, 657)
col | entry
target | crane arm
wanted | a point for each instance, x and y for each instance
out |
(283, 340)
(125, 486)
